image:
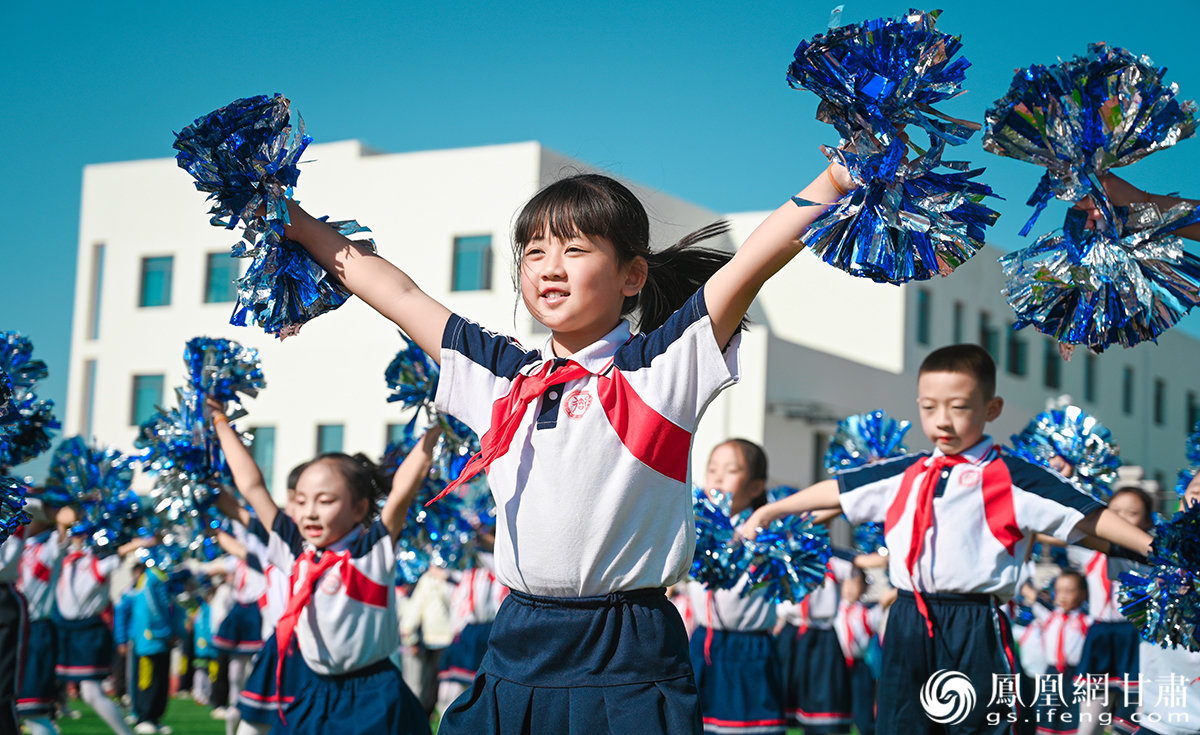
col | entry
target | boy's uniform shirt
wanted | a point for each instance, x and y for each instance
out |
(39, 574)
(82, 589)
(986, 506)
(1061, 634)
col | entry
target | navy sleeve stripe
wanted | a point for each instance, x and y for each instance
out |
(639, 351)
(366, 541)
(286, 529)
(1038, 480)
(497, 353)
(871, 473)
(252, 562)
(258, 530)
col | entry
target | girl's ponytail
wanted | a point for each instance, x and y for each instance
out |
(677, 272)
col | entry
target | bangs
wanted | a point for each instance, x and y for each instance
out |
(568, 208)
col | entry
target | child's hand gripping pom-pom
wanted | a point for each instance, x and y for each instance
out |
(223, 370)
(788, 560)
(98, 480)
(904, 221)
(865, 438)
(1076, 437)
(1086, 287)
(12, 506)
(1080, 118)
(26, 421)
(1163, 601)
(246, 156)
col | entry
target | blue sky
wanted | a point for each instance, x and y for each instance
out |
(689, 98)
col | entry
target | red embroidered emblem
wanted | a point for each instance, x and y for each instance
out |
(331, 584)
(577, 403)
(969, 477)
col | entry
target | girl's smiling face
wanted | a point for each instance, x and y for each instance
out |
(730, 473)
(325, 508)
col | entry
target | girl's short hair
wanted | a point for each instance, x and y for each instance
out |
(600, 206)
(1144, 497)
(755, 458)
(362, 476)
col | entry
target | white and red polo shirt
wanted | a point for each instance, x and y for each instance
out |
(594, 493)
(83, 580)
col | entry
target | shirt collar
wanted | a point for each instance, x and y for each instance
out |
(344, 542)
(596, 356)
(975, 455)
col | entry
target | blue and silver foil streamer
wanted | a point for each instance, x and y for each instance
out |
(98, 481)
(12, 506)
(245, 156)
(223, 370)
(865, 438)
(440, 534)
(1079, 439)
(904, 221)
(1086, 287)
(1192, 451)
(1081, 118)
(1162, 600)
(869, 538)
(26, 421)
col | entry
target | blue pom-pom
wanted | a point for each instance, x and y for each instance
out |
(1080, 118)
(412, 376)
(98, 480)
(1163, 600)
(788, 560)
(869, 538)
(720, 557)
(12, 506)
(1078, 438)
(905, 221)
(26, 421)
(223, 370)
(865, 438)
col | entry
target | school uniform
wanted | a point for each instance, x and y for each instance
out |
(85, 641)
(978, 513)
(473, 604)
(241, 631)
(341, 615)
(13, 629)
(857, 625)
(594, 520)
(736, 663)
(259, 700)
(1110, 651)
(38, 574)
(1061, 633)
(816, 672)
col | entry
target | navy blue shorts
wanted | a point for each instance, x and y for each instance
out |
(613, 663)
(460, 660)
(39, 685)
(85, 649)
(364, 702)
(818, 690)
(257, 701)
(241, 631)
(971, 636)
(740, 681)
(1111, 650)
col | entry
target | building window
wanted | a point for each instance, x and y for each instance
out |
(1052, 362)
(89, 396)
(147, 397)
(1127, 390)
(97, 285)
(1089, 377)
(263, 450)
(156, 282)
(1193, 412)
(472, 263)
(989, 336)
(1018, 353)
(923, 316)
(959, 316)
(395, 434)
(329, 438)
(1160, 401)
(220, 275)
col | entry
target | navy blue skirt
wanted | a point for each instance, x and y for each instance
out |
(581, 666)
(460, 660)
(258, 700)
(818, 686)
(364, 702)
(85, 649)
(740, 681)
(1111, 650)
(240, 633)
(39, 685)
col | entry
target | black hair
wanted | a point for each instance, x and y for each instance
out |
(600, 206)
(967, 359)
(756, 460)
(1079, 579)
(363, 477)
(1147, 504)
(294, 476)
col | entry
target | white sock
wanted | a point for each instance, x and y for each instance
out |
(89, 691)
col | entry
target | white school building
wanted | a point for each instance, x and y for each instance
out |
(152, 273)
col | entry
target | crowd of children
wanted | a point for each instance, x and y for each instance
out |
(566, 627)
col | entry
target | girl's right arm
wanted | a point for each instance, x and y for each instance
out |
(246, 475)
(386, 288)
(409, 478)
(824, 495)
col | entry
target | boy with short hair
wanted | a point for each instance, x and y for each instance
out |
(958, 522)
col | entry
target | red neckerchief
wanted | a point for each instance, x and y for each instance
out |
(297, 600)
(506, 417)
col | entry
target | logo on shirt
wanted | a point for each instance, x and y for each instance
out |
(948, 697)
(331, 583)
(969, 477)
(577, 403)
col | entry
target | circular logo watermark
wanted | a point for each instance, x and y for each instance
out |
(948, 697)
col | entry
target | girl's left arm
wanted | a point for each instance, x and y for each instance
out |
(1111, 527)
(730, 291)
(409, 477)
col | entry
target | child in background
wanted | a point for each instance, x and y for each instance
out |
(342, 608)
(957, 525)
(858, 626)
(85, 641)
(473, 605)
(1061, 633)
(204, 653)
(816, 671)
(123, 670)
(586, 442)
(733, 655)
(240, 635)
(38, 567)
(154, 624)
(425, 631)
